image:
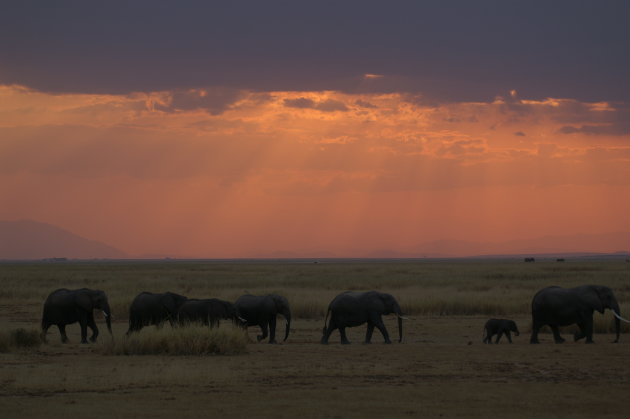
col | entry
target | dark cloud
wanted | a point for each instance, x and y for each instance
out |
(611, 122)
(300, 103)
(612, 129)
(455, 50)
(520, 134)
(329, 105)
(364, 104)
(214, 100)
(567, 129)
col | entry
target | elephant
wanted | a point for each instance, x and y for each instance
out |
(154, 309)
(261, 310)
(63, 307)
(352, 308)
(556, 306)
(208, 312)
(499, 327)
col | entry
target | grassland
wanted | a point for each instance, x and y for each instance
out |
(441, 369)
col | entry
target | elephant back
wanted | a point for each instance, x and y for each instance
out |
(352, 301)
(56, 296)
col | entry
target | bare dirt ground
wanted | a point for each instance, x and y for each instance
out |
(440, 370)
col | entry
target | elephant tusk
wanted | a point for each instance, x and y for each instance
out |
(619, 317)
(105, 314)
(241, 319)
(405, 318)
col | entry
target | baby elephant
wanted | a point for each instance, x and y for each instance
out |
(499, 327)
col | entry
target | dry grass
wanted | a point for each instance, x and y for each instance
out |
(440, 370)
(187, 340)
(19, 339)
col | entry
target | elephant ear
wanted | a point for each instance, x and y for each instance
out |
(383, 302)
(84, 301)
(277, 301)
(168, 301)
(593, 297)
(282, 304)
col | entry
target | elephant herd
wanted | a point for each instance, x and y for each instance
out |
(551, 306)
(248, 310)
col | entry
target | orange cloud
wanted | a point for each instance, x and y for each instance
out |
(218, 172)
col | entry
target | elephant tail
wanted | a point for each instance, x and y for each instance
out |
(326, 321)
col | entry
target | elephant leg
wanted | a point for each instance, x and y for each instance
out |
(368, 332)
(327, 331)
(135, 324)
(172, 320)
(92, 325)
(588, 330)
(381, 327)
(498, 337)
(83, 324)
(45, 327)
(535, 328)
(580, 334)
(508, 336)
(344, 338)
(62, 332)
(488, 337)
(556, 334)
(265, 333)
(272, 330)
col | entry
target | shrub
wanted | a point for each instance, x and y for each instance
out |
(19, 339)
(186, 340)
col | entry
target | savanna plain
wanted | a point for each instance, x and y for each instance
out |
(441, 369)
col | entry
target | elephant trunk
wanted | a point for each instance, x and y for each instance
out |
(398, 312)
(287, 316)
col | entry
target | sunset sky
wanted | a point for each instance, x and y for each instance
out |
(247, 128)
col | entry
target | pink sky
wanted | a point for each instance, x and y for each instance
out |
(221, 172)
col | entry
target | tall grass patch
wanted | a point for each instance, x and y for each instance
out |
(309, 310)
(19, 339)
(186, 340)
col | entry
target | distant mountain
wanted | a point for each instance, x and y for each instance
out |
(33, 240)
